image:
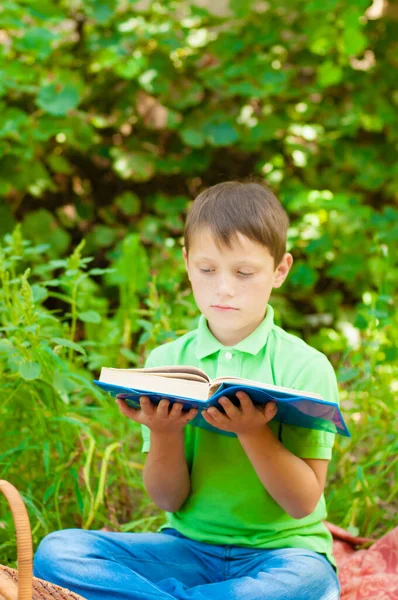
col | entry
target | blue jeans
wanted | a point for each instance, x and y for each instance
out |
(168, 566)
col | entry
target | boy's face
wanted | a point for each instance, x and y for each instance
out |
(232, 285)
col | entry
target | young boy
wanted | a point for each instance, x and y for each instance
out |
(244, 512)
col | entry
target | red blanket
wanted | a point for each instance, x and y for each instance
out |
(367, 574)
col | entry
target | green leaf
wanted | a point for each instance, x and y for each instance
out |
(38, 41)
(361, 322)
(273, 81)
(347, 374)
(59, 164)
(46, 456)
(186, 93)
(128, 203)
(12, 121)
(101, 10)
(329, 74)
(46, 9)
(322, 39)
(102, 236)
(303, 275)
(68, 344)
(353, 42)
(39, 293)
(132, 67)
(241, 8)
(29, 370)
(192, 138)
(39, 225)
(347, 270)
(172, 206)
(90, 316)
(58, 99)
(131, 267)
(137, 166)
(244, 88)
(98, 271)
(314, 6)
(221, 134)
(174, 118)
(49, 492)
(265, 130)
(153, 82)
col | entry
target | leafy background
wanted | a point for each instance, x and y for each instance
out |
(114, 115)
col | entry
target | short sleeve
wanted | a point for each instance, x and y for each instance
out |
(146, 438)
(145, 431)
(317, 376)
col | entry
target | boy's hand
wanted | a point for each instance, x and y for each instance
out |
(247, 418)
(157, 418)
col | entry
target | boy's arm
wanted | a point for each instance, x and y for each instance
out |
(296, 484)
(293, 470)
(166, 475)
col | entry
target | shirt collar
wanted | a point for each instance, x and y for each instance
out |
(207, 344)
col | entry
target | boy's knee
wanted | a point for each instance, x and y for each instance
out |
(53, 550)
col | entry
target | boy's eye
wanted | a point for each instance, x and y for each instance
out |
(241, 273)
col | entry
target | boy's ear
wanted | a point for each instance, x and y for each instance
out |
(185, 257)
(282, 270)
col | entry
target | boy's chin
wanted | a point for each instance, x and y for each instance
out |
(219, 314)
(227, 321)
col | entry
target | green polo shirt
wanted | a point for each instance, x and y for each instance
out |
(228, 503)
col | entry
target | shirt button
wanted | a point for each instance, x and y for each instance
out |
(228, 355)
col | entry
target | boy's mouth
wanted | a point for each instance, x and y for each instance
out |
(223, 307)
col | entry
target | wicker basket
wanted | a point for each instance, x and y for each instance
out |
(21, 585)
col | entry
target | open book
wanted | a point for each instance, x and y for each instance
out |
(192, 387)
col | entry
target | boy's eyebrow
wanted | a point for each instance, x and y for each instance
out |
(244, 262)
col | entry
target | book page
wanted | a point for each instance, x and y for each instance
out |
(192, 373)
(185, 376)
(215, 384)
(140, 381)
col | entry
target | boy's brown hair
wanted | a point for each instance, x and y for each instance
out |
(240, 206)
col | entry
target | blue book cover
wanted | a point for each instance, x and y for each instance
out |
(293, 409)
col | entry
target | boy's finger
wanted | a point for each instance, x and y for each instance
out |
(244, 399)
(210, 418)
(127, 410)
(270, 410)
(176, 409)
(230, 409)
(163, 408)
(146, 406)
(216, 414)
(191, 414)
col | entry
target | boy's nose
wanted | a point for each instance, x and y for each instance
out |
(225, 287)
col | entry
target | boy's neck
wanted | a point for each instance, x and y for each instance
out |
(231, 338)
